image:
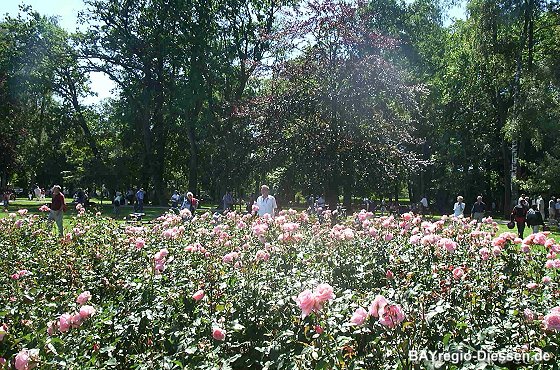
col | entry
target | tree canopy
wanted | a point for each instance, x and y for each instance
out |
(345, 98)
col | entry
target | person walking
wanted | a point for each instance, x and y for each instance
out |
(519, 215)
(478, 209)
(540, 207)
(557, 209)
(459, 207)
(58, 206)
(227, 200)
(534, 218)
(175, 199)
(551, 208)
(6, 199)
(424, 204)
(266, 202)
(140, 199)
(117, 203)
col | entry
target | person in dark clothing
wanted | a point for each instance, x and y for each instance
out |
(58, 206)
(534, 218)
(478, 209)
(519, 215)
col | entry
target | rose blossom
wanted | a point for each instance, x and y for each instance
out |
(86, 311)
(323, 293)
(306, 302)
(64, 322)
(83, 297)
(140, 243)
(218, 333)
(198, 295)
(76, 320)
(22, 360)
(391, 316)
(458, 273)
(551, 322)
(359, 316)
(529, 315)
(546, 280)
(3, 331)
(377, 306)
(532, 285)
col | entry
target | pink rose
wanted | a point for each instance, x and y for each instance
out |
(484, 253)
(532, 286)
(262, 255)
(389, 274)
(3, 331)
(359, 316)
(198, 295)
(140, 243)
(64, 322)
(324, 292)
(86, 311)
(546, 280)
(306, 302)
(529, 315)
(319, 329)
(218, 333)
(76, 320)
(391, 316)
(159, 266)
(388, 237)
(458, 273)
(377, 306)
(551, 322)
(83, 297)
(22, 360)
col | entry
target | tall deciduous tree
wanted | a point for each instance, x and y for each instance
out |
(339, 115)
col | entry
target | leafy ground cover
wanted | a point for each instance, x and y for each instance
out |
(242, 292)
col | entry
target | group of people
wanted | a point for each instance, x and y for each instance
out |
(527, 213)
(478, 210)
(184, 201)
(523, 213)
(137, 199)
(554, 209)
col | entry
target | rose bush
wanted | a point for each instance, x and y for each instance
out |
(241, 292)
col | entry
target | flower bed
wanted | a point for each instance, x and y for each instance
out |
(248, 293)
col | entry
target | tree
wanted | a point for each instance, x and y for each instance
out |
(339, 116)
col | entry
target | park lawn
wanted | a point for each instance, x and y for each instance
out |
(106, 209)
(153, 212)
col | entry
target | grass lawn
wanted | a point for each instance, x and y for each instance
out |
(106, 209)
(153, 212)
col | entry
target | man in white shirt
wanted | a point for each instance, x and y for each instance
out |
(424, 203)
(266, 202)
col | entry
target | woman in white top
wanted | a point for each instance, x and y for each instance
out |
(459, 207)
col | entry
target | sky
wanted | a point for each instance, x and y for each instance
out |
(67, 13)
